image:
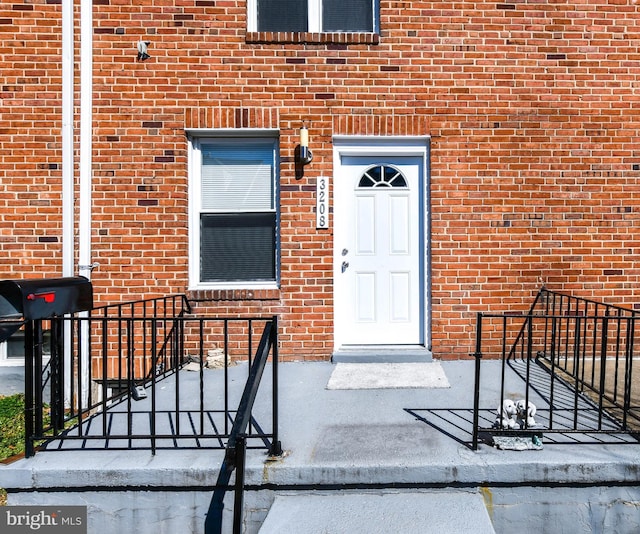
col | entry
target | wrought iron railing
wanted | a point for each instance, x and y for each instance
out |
(119, 379)
(576, 359)
(236, 446)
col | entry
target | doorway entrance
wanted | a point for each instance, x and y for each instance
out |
(380, 246)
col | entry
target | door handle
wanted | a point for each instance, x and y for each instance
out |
(345, 265)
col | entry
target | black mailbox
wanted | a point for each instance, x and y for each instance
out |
(30, 300)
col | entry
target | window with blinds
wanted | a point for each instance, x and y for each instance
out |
(237, 177)
(238, 219)
(314, 15)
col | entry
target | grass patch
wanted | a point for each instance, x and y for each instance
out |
(11, 431)
(11, 426)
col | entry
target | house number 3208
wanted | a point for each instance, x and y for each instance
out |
(322, 202)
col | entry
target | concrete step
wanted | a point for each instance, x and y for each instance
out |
(341, 512)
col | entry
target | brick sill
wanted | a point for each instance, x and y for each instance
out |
(204, 295)
(340, 38)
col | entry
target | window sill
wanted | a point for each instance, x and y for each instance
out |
(218, 294)
(340, 38)
(15, 362)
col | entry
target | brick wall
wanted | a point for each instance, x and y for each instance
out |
(531, 108)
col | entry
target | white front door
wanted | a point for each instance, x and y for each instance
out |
(379, 244)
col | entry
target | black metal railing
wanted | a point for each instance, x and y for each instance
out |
(576, 359)
(236, 446)
(138, 376)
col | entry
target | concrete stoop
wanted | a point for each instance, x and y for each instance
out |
(389, 461)
(444, 512)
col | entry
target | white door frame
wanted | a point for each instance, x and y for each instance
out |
(392, 146)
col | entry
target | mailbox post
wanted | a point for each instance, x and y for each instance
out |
(27, 303)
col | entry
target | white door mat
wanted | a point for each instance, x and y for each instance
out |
(387, 376)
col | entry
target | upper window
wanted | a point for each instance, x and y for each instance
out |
(233, 214)
(313, 15)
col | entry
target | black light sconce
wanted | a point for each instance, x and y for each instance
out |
(305, 155)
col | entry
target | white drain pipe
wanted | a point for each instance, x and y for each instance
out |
(86, 133)
(68, 248)
(86, 145)
(68, 200)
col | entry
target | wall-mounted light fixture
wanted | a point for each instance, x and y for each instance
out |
(305, 154)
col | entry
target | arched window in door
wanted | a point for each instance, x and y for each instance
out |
(382, 176)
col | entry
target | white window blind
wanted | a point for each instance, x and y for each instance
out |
(237, 178)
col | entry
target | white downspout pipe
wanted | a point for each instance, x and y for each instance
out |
(68, 201)
(68, 248)
(86, 133)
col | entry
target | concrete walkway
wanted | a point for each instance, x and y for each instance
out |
(379, 513)
(349, 443)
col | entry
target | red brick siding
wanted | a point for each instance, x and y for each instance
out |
(532, 109)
